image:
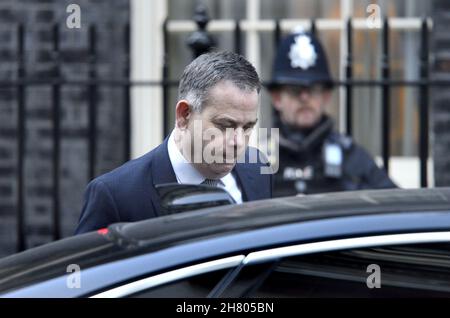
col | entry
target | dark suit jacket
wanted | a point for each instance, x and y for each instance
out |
(128, 194)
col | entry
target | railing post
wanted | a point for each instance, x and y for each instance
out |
(237, 37)
(386, 96)
(313, 28)
(126, 96)
(21, 243)
(348, 77)
(92, 102)
(276, 43)
(277, 34)
(424, 111)
(56, 135)
(165, 82)
(200, 41)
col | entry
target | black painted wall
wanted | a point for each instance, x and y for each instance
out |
(38, 17)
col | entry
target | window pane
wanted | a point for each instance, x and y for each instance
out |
(294, 9)
(192, 287)
(405, 271)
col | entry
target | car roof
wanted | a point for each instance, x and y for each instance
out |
(123, 240)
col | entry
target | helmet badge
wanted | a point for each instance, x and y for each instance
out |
(302, 53)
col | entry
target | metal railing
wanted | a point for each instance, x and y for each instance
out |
(385, 82)
(93, 82)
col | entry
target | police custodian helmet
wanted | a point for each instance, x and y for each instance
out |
(300, 60)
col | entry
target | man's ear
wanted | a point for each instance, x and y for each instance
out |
(182, 114)
(276, 99)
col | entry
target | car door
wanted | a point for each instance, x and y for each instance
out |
(397, 265)
(403, 265)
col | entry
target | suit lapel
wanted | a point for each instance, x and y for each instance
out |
(246, 180)
(161, 172)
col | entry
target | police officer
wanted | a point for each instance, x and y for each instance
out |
(313, 156)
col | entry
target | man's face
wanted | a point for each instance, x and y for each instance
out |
(301, 106)
(223, 128)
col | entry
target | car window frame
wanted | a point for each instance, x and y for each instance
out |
(275, 255)
(171, 276)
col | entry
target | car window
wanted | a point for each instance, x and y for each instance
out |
(399, 271)
(198, 286)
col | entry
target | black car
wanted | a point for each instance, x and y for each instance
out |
(380, 243)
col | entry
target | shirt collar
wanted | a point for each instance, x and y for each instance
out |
(184, 170)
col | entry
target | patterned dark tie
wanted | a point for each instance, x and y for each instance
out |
(212, 182)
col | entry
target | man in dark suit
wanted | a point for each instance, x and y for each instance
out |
(216, 111)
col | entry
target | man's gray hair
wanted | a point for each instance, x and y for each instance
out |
(209, 69)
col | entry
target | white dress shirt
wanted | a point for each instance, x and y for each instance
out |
(187, 174)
